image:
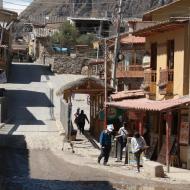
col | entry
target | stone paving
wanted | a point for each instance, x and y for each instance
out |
(31, 153)
(86, 154)
(29, 108)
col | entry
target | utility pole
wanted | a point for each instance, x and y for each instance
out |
(105, 83)
(116, 49)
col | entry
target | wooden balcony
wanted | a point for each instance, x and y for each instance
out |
(132, 71)
(166, 81)
(149, 84)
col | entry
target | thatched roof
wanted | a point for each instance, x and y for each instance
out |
(85, 84)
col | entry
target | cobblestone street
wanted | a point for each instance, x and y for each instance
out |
(30, 143)
(30, 135)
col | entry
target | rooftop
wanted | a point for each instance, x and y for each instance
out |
(88, 85)
(144, 104)
(127, 94)
(171, 24)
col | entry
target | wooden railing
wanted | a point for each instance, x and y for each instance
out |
(166, 81)
(166, 76)
(149, 84)
(150, 76)
(121, 67)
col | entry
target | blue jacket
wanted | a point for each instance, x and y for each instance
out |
(105, 138)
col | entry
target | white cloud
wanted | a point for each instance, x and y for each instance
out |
(17, 6)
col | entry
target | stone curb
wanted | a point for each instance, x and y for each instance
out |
(3, 124)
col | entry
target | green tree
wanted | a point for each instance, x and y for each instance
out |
(86, 39)
(66, 36)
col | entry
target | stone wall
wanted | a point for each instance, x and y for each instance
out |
(67, 65)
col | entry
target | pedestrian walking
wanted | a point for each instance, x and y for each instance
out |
(122, 139)
(81, 121)
(76, 115)
(105, 141)
(138, 145)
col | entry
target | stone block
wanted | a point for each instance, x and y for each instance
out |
(153, 169)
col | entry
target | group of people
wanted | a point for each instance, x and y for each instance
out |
(80, 118)
(138, 144)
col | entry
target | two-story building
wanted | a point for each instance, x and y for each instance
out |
(167, 43)
(167, 71)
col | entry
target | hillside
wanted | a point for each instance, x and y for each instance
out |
(94, 8)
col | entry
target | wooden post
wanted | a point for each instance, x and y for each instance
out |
(168, 137)
(141, 128)
(160, 131)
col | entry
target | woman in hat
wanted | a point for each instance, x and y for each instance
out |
(105, 141)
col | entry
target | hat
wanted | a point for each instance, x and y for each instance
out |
(110, 127)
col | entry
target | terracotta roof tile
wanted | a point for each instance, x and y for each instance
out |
(133, 40)
(150, 105)
(127, 94)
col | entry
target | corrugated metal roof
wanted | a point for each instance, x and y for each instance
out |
(127, 94)
(150, 105)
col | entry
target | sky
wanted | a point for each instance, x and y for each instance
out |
(16, 5)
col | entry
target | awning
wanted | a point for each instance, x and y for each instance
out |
(150, 105)
(88, 85)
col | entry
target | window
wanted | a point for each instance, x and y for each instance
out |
(170, 54)
(139, 57)
(129, 60)
(153, 63)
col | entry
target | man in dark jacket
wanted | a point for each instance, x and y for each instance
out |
(81, 121)
(105, 141)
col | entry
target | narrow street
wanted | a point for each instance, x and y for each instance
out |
(27, 141)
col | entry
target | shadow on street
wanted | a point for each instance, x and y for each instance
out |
(14, 156)
(18, 103)
(27, 73)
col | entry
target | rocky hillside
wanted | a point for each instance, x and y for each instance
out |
(95, 8)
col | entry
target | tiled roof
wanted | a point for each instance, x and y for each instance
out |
(150, 105)
(133, 40)
(127, 94)
(160, 27)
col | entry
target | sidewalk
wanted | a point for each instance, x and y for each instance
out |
(86, 154)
